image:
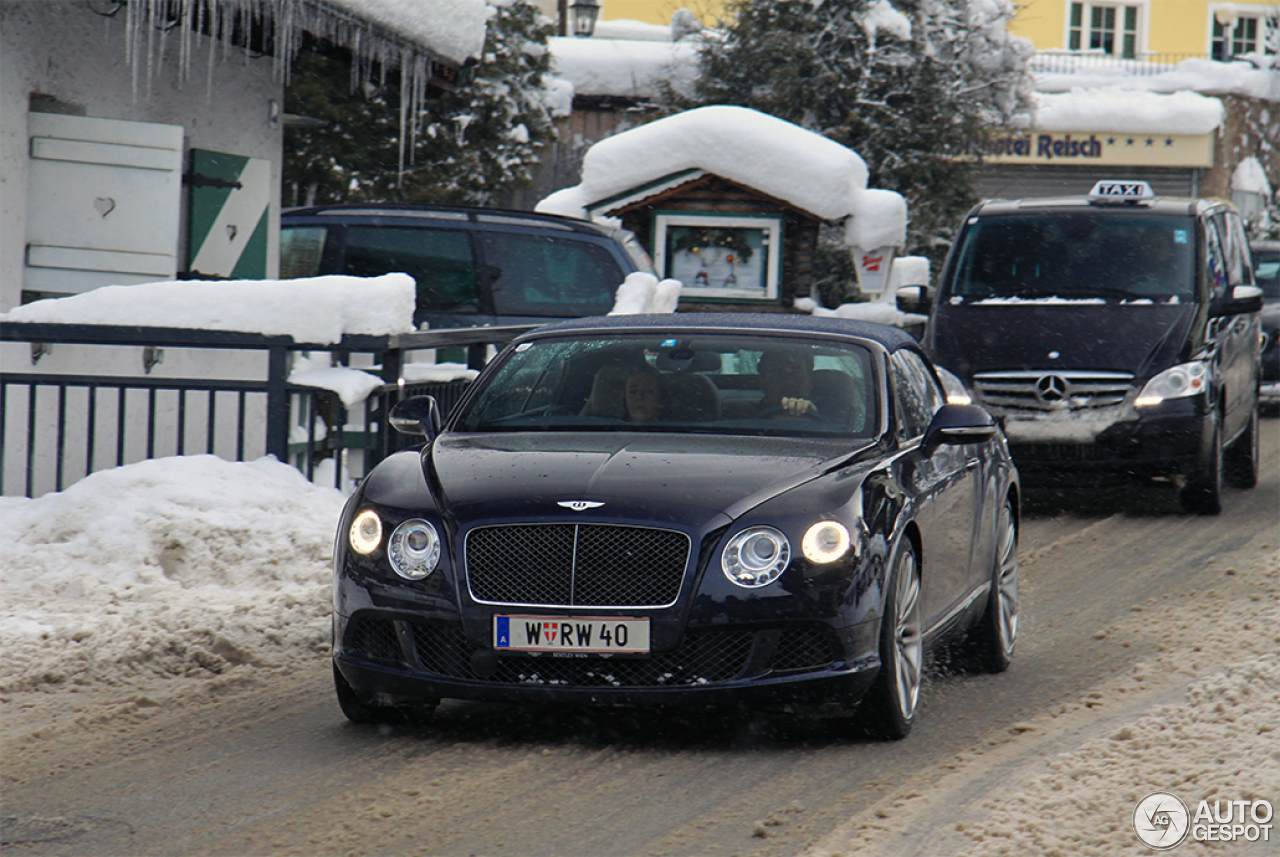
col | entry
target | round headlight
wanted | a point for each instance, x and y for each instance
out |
(414, 549)
(824, 542)
(366, 532)
(756, 557)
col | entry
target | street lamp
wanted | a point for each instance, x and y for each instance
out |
(584, 16)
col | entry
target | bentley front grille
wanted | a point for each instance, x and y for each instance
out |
(1050, 390)
(576, 565)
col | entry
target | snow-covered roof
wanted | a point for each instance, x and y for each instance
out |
(454, 29)
(754, 149)
(626, 68)
(407, 34)
(1128, 112)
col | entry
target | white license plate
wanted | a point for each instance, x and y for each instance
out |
(570, 634)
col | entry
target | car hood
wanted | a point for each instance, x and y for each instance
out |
(968, 338)
(688, 480)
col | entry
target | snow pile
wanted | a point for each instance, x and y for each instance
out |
(882, 17)
(1129, 112)
(746, 146)
(352, 385)
(624, 67)
(318, 310)
(643, 293)
(906, 271)
(1194, 75)
(175, 566)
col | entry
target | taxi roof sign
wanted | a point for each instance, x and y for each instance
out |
(1121, 191)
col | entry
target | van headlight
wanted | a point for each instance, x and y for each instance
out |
(414, 549)
(1176, 382)
(756, 557)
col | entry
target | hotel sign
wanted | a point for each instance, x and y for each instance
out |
(1069, 148)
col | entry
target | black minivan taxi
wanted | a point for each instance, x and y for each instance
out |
(1115, 336)
(472, 266)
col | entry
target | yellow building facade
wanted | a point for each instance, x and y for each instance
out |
(1167, 30)
(1162, 30)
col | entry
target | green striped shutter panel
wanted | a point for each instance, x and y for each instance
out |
(230, 196)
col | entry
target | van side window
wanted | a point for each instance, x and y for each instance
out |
(1239, 239)
(543, 276)
(439, 260)
(1217, 258)
(917, 395)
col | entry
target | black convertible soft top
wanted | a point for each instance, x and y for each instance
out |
(892, 338)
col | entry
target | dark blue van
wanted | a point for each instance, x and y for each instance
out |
(1115, 336)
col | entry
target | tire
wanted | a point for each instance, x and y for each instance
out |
(359, 708)
(889, 708)
(1240, 460)
(1202, 493)
(991, 643)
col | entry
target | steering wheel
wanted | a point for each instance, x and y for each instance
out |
(811, 414)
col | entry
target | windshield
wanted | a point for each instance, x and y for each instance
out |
(1096, 254)
(700, 382)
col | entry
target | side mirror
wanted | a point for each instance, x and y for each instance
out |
(1243, 299)
(914, 299)
(416, 415)
(958, 424)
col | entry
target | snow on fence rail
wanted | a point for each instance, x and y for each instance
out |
(100, 400)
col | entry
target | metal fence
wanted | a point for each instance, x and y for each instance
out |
(1069, 62)
(92, 407)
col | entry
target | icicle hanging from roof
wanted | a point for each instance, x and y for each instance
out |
(370, 29)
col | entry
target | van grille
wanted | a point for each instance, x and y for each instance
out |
(1048, 390)
(576, 565)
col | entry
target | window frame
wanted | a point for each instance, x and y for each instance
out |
(1128, 38)
(1224, 37)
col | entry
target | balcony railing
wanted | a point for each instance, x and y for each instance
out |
(1070, 62)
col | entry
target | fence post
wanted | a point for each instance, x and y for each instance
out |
(278, 403)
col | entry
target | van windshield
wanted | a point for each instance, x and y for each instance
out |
(1106, 255)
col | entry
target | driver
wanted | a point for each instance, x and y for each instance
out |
(786, 379)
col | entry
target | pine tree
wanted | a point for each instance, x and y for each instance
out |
(908, 103)
(472, 146)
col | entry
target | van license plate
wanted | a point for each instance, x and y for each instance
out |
(570, 634)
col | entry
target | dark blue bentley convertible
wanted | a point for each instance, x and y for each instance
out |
(682, 509)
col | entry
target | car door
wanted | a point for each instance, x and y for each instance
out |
(1234, 336)
(946, 484)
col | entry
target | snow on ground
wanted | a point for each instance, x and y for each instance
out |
(186, 566)
(1199, 720)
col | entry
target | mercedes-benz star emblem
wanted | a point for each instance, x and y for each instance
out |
(580, 505)
(1051, 388)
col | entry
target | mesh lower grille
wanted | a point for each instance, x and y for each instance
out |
(576, 565)
(375, 639)
(703, 658)
(806, 648)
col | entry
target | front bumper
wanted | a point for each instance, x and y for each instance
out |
(1168, 440)
(403, 658)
